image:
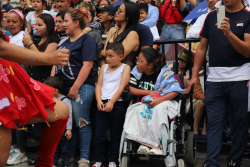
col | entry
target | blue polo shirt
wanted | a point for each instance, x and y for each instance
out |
(225, 63)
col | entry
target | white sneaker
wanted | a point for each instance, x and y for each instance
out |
(12, 150)
(143, 150)
(83, 163)
(112, 164)
(97, 164)
(17, 158)
(54, 165)
(156, 152)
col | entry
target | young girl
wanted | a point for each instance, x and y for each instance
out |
(79, 78)
(111, 108)
(32, 16)
(48, 42)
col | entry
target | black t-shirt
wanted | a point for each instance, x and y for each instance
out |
(147, 82)
(40, 73)
(83, 49)
(221, 51)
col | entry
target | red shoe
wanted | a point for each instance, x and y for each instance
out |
(97, 164)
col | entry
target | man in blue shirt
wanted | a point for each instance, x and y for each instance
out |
(153, 14)
(228, 81)
(6, 5)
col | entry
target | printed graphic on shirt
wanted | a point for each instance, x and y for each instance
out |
(146, 85)
(4, 102)
(20, 102)
(36, 86)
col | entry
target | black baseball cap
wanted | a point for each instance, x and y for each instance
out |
(108, 8)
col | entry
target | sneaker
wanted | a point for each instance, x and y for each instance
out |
(83, 163)
(156, 152)
(54, 166)
(17, 158)
(33, 161)
(232, 163)
(205, 164)
(112, 164)
(12, 150)
(143, 150)
(97, 164)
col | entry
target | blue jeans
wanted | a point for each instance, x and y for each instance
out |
(81, 116)
(170, 33)
(62, 151)
(220, 96)
(105, 120)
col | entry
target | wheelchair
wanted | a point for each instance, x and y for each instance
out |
(180, 143)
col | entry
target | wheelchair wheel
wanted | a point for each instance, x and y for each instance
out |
(125, 161)
(181, 163)
(191, 149)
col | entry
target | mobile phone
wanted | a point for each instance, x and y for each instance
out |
(220, 15)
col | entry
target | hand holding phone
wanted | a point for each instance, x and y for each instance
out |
(220, 15)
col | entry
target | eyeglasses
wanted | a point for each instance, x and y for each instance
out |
(87, 2)
(139, 60)
(119, 11)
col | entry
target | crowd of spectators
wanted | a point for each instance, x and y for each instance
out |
(110, 38)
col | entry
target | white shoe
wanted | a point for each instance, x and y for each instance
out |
(12, 151)
(97, 164)
(156, 152)
(83, 163)
(112, 164)
(17, 158)
(143, 150)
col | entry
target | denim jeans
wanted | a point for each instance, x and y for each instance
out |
(81, 116)
(105, 120)
(62, 151)
(170, 33)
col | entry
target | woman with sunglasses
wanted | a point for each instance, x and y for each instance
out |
(127, 18)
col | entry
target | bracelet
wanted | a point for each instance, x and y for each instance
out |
(30, 45)
(173, 7)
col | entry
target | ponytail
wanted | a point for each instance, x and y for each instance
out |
(153, 56)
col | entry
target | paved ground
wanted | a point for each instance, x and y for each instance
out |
(201, 149)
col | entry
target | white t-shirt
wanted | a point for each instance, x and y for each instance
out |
(31, 19)
(17, 39)
(155, 33)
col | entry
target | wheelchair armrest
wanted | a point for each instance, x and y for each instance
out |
(184, 96)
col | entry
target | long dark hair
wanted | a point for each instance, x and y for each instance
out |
(155, 57)
(49, 21)
(132, 14)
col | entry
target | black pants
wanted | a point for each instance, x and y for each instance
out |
(62, 151)
(105, 120)
(220, 96)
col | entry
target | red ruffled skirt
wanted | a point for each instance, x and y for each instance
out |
(21, 97)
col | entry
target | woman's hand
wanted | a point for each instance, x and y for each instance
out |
(73, 93)
(68, 134)
(100, 105)
(174, 2)
(153, 92)
(109, 107)
(155, 102)
(27, 40)
(59, 57)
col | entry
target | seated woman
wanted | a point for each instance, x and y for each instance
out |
(149, 77)
(127, 17)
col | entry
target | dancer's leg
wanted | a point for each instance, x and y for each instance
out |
(5, 143)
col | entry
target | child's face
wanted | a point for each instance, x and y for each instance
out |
(112, 58)
(142, 64)
(37, 4)
(143, 15)
(14, 23)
